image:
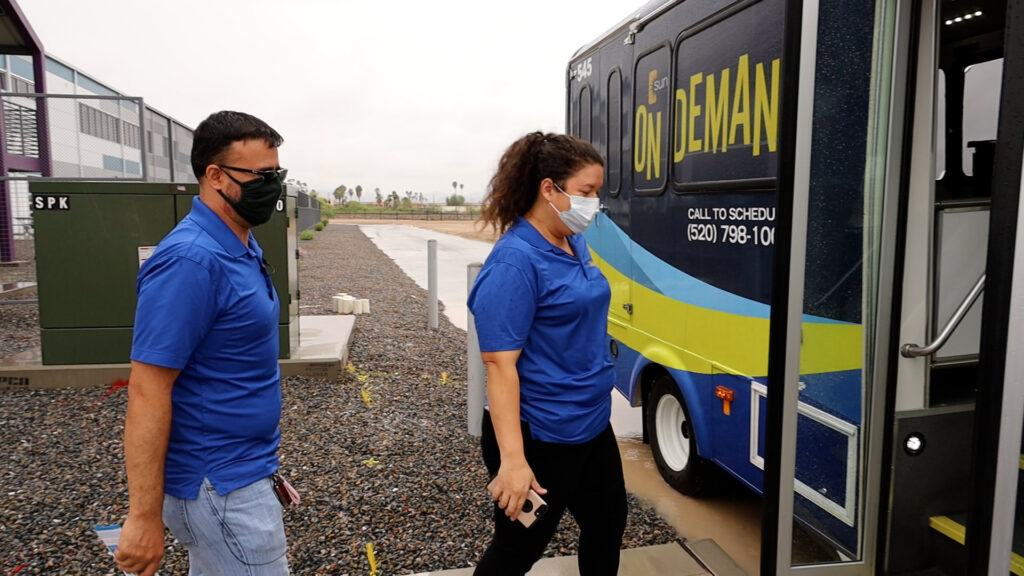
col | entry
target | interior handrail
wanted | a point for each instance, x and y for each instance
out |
(915, 351)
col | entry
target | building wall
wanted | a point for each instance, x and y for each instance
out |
(89, 138)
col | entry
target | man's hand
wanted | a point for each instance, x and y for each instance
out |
(141, 547)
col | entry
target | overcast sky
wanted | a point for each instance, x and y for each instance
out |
(402, 95)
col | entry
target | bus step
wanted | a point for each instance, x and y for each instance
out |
(713, 557)
(946, 543)
(953, 527)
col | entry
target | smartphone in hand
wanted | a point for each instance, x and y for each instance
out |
(533, 508)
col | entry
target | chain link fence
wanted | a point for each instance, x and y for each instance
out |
(309, 211)
(407, 215)
(89, 137)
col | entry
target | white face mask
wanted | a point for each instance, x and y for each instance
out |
(581, 211)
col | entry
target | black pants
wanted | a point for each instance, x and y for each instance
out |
(584, 478)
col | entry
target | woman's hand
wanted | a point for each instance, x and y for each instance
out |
(512, 485)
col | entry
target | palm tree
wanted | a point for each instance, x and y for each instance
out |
(359, 191)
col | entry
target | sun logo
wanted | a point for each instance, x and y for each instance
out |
(652, 96)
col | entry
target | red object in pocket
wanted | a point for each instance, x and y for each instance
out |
(286, 495)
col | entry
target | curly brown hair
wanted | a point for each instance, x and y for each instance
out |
(528, 161)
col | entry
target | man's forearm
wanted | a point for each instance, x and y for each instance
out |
(147, 429)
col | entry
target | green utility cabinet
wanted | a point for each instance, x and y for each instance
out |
(92, 237)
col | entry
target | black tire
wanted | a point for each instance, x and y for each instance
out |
(673, 442)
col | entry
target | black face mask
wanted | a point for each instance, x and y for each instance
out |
(258, 200)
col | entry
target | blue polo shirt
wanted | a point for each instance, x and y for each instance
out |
(535, 297)
(207, 306)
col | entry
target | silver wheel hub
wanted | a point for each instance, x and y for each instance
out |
(670, 422)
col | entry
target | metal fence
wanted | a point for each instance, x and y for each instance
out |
(415, 215)
(309, 211)
(89, 137)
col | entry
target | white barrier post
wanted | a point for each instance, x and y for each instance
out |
(432, 283)
(476, 374)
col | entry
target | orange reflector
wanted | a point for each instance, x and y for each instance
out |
(727, 397)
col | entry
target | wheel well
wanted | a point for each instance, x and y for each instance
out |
(648, 376)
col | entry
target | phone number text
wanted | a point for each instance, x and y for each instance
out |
(731, 234)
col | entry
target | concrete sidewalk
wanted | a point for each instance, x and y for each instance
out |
(407, 246)
(663, 560)
(698, 559)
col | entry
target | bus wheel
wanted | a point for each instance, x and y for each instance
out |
(672, 440)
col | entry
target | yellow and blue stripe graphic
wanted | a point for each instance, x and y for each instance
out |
(684, 323)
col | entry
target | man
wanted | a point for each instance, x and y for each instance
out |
(204, 396)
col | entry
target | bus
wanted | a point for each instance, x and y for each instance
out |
(800, 231)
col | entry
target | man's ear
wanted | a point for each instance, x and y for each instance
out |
(214, 175)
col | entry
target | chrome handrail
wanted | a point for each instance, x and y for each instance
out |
(915, 351)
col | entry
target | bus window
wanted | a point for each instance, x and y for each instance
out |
(585, 114)
(981, 107)
(614, 161)
(651, 99)
(726, 104)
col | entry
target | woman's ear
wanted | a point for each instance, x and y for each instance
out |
(547, 188)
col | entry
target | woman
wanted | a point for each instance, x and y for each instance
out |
(540, 307)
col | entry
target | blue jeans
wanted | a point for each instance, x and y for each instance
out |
(241, 533)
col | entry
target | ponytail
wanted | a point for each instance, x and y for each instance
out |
(532, 158)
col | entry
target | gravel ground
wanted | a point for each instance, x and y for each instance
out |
(381, 456)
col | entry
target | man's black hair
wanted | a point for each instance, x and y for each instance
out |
(216, 134)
